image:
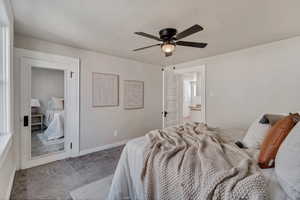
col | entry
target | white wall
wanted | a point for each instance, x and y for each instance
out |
(97, 125)
(242, 84)
(8, 164)
(46, 83)
(7, 171)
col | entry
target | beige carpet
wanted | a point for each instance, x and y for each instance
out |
(95, 190)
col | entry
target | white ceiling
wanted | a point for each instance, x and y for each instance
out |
(108, 25)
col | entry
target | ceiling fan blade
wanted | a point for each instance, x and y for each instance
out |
(191, 44)
(146, 47)
(168, 54)
(148, 36)
(194, 29)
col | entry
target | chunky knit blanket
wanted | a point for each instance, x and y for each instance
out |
(192, 162)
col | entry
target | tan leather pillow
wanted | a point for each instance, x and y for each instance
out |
(274, 138)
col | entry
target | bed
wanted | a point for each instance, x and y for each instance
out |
(54, 119)
(127, 183)
(275, 190)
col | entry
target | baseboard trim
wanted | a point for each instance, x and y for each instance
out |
(44, 159)
(101, 148)
(10, 184)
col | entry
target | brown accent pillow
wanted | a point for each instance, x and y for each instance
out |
(274, 138)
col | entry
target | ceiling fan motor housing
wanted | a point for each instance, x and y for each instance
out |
(167, 34)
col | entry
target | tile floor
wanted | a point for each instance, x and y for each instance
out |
(55, 180)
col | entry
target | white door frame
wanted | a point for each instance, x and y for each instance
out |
(202, 69)
(70, 66)
(163, 97)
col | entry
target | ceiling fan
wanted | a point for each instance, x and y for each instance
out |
(169, 39)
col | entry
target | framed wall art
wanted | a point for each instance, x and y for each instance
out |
(133, 94)
(105, 90)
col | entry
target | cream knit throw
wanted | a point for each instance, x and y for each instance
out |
(191, 162)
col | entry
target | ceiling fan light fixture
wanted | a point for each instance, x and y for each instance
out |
(168, 47)
(169, 38)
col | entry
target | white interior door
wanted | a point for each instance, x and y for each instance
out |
(70, 68)
(171, 85)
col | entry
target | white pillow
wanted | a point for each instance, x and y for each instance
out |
(56, 103)
(255, 134)
(287, 163)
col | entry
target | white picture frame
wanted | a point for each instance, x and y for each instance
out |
(105, 90)
(133, 94)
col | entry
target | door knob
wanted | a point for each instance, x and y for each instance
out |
(165, 113)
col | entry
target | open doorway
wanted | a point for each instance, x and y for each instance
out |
(191, 94)
(184, 95)
(191, 97)
(47, 111)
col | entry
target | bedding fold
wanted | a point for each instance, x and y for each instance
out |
(192, 162)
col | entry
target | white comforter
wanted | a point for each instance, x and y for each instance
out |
(127, 183)
(275, 190)
(55, 128)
